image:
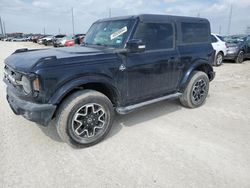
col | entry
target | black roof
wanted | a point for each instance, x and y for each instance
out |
(156, 18)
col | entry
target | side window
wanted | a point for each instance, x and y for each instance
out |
(214, 39)
(156, 36)
(195, 32)
(248, 40)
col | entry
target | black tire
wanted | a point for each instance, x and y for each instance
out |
(219, 59)
(70, 116)
(196, 90)
(240, 57)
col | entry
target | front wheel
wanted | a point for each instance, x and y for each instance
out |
(196, 91)
(85, 118)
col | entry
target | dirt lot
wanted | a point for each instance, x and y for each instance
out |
(163, 145)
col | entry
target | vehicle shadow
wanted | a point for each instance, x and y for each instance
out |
(233, 62)
(51, 131)
(229, 61)
(144, 114)
(134, 118)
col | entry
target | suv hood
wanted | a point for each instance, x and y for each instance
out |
(27, 59)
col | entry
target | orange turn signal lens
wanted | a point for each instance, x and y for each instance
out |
(36, 85)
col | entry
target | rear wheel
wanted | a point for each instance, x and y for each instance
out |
(219, 59)
(240, 57)
(85, 118)
(196, 91)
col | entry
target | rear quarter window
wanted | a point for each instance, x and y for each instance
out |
(195, 33)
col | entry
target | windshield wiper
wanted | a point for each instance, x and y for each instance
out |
(95, 44)
(99, 44)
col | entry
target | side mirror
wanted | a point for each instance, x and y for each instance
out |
(135, 45)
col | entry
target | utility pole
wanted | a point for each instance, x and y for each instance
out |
(109, 12)
(44, 30)
(4, 31)
(73, 24)
(59, 31)
(230, 19)
(248, 30)
(1, 25)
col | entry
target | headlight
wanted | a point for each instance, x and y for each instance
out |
(26, 84)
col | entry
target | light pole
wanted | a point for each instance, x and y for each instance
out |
(220, 29)
(1, 25)
(4, 31)
(230, 18)
(73, 24)
(109, 12)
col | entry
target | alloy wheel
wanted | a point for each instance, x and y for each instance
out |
(241, 57)
(199, 91)
(219, 59)
(88, 121)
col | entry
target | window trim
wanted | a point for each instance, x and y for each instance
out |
(163, 49)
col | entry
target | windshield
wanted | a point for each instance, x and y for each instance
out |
(235, 39)
(108, 33)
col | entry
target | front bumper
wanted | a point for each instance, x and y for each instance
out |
(39, 113)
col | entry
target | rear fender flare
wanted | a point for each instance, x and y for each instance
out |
(198, 65)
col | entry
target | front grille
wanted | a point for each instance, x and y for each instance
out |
(15, 76)
(12, 77)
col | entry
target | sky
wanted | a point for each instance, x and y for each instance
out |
(32, 16)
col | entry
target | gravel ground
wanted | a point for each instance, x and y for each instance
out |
(163, 145)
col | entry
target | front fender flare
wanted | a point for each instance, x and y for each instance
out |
(76, 83)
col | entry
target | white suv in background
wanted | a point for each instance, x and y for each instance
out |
(220, 47)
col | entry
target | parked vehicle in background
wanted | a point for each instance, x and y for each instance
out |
(76, 39)
(18, 39)
(40, 40)
(237, 47)
(69, 42)
(28, 38)
(56, 40)
(82, 87)
(47, 40)
(220, 49)
(35, 38)
(79, 38)
(8, 39)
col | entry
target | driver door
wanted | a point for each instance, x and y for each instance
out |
(156, 71)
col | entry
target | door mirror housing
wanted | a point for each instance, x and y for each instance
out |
(135, 46)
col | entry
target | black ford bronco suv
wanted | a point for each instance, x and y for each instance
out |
(125, 63)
